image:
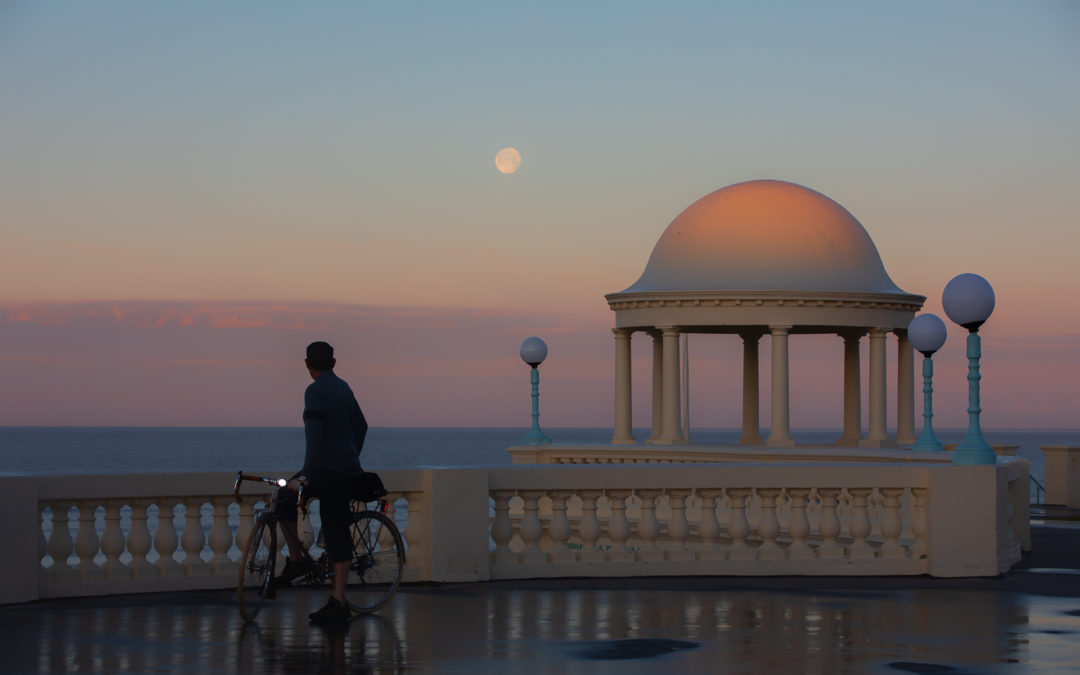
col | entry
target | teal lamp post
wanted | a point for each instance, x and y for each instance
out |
(927, 333)
(969, 300)
(533, 352)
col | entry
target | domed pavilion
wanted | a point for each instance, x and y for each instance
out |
(766, 257)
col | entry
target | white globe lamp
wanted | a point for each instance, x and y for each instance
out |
(533, 352)
(969, 300)
(927, 333)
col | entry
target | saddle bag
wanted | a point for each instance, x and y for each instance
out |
(368, 487)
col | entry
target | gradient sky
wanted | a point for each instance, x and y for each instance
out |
(191, 192)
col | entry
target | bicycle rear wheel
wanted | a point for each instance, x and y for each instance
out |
(257, 569)
(378, 560)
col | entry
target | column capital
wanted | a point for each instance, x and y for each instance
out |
(779, 330)
(669, 331)
(901, 333)
(852, 335)
(879, 331)
(752, 336)
(622, 333)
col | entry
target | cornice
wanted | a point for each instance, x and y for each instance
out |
(722, 299)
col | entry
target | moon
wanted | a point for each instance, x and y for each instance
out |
(507, 160)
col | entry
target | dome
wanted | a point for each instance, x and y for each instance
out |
(765, 235)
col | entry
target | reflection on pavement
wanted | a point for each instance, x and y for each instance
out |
(484, 628)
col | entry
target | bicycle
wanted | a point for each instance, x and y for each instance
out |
(374, 572)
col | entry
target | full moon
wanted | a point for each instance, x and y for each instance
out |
(507, 160)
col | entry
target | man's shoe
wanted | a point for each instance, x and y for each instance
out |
(293, 569)
(332, 612)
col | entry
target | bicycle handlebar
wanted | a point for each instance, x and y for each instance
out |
(240, 477)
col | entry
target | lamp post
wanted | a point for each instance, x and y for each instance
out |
(927, 333)
(533, 352)
(969, 300)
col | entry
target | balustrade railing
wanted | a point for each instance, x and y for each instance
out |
(84, 535)
(723, 526)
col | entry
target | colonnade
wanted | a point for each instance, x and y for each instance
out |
(666, 403)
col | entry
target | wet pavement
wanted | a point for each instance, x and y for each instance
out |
(1027, 621)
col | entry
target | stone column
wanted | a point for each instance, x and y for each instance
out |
(751, 427)
(623, 401)
(905, 389)
(852, 391)
(671, 431)
(780, 431)
(657, 386)
(876, 436)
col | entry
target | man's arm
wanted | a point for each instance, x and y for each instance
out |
(314, 430)
(359, 427)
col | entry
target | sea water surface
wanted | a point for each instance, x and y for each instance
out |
(61, 450)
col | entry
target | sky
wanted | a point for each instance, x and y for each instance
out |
(191, 192)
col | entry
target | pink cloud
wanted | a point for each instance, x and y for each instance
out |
(240, 363)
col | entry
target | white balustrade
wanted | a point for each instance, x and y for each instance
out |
(124, 535)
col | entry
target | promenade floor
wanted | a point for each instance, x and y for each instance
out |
(1027, 621)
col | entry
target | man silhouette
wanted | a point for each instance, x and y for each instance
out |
(334, 431)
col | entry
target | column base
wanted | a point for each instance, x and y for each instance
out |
(780, 443)
(623, 441)
(877, 443)
(669, 441)
(751, 440)
(849, 441)
(905, 440)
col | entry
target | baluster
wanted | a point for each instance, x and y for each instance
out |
(305, 527)
(502, 529)
(799, 527)
(413, 534)
(43, 546)
(678, 526)
(246, 516)
(166, 541)
(860, 548)
(769, 526)
(87, 543)
(220, 538)
(384, 538)
(589, 527)
(708, 526)
(193, 538)
(559, 528)
(830, 549)
(138, 543)
(739, 527)
(891, 524)
(648, 527)
(531, 530)
(919, 524)
(112, 540)
(60, 543)
(619, 527)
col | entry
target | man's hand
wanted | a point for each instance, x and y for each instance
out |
(296, 483)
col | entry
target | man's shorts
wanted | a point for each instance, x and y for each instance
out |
(333, 490)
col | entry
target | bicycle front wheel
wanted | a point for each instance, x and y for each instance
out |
(378, 559)
(257, 570)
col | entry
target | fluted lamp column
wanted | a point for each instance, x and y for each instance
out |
(968, 300)
(927, 333)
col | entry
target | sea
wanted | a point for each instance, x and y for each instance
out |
(80, 450)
